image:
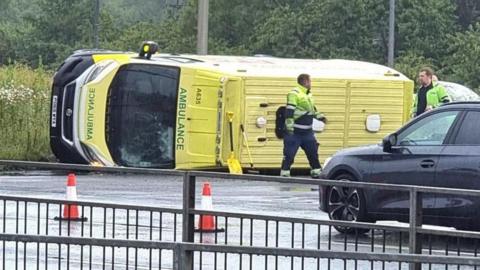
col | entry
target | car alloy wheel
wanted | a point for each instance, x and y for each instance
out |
(346, 204)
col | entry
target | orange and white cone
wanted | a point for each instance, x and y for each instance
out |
(70, 211)
(206, 223)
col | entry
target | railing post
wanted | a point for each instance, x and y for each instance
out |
(188, 226)
(178, 257)
(416, 209)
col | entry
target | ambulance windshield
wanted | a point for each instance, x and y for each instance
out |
(140, 118)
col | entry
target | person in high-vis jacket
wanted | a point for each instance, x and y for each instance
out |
(430, 95)
(299, 114)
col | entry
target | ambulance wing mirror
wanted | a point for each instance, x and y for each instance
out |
(388, 142)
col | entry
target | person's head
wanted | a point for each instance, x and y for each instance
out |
(425, 76)
(304, 80)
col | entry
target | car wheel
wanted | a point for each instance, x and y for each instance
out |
(347, 204)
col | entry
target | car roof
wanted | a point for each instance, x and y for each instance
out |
(458, 92)
(462, 104)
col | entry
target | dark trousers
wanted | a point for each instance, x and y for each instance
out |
(291, 143)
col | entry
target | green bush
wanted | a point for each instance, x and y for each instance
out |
(24, 113)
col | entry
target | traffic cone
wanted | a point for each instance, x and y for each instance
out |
(70, 211)
(206, 223)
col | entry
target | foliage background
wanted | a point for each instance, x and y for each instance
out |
(37, 35)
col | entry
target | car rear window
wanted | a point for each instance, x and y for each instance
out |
(469, 132)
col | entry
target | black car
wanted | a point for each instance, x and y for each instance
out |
(440, 148)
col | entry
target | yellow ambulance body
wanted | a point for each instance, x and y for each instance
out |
(362, 101)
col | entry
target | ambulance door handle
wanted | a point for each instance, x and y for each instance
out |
(262, 139)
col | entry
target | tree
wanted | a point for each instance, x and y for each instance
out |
(468, 12)
(423, 29)
(277, 35)
(50, 30)
(10, 37)
(13, 28)
(125, 13)
(409, 63)
(61, 27)
(327, 29)
(230, 26)
(464, 57)
(232, 23)
(4, 7)
(178, 32)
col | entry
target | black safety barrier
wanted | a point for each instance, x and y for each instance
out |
(304, 247)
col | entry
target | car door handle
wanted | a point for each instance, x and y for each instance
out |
(428, 163)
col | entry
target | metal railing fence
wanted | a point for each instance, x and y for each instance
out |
(95, 253)
(460, 247)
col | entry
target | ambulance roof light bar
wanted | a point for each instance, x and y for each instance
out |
(148, 48)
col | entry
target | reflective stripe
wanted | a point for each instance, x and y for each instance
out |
(304, 120)
(289, 123)
(299, 113)
(291, 107)
(302, 126)
(315, 172)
